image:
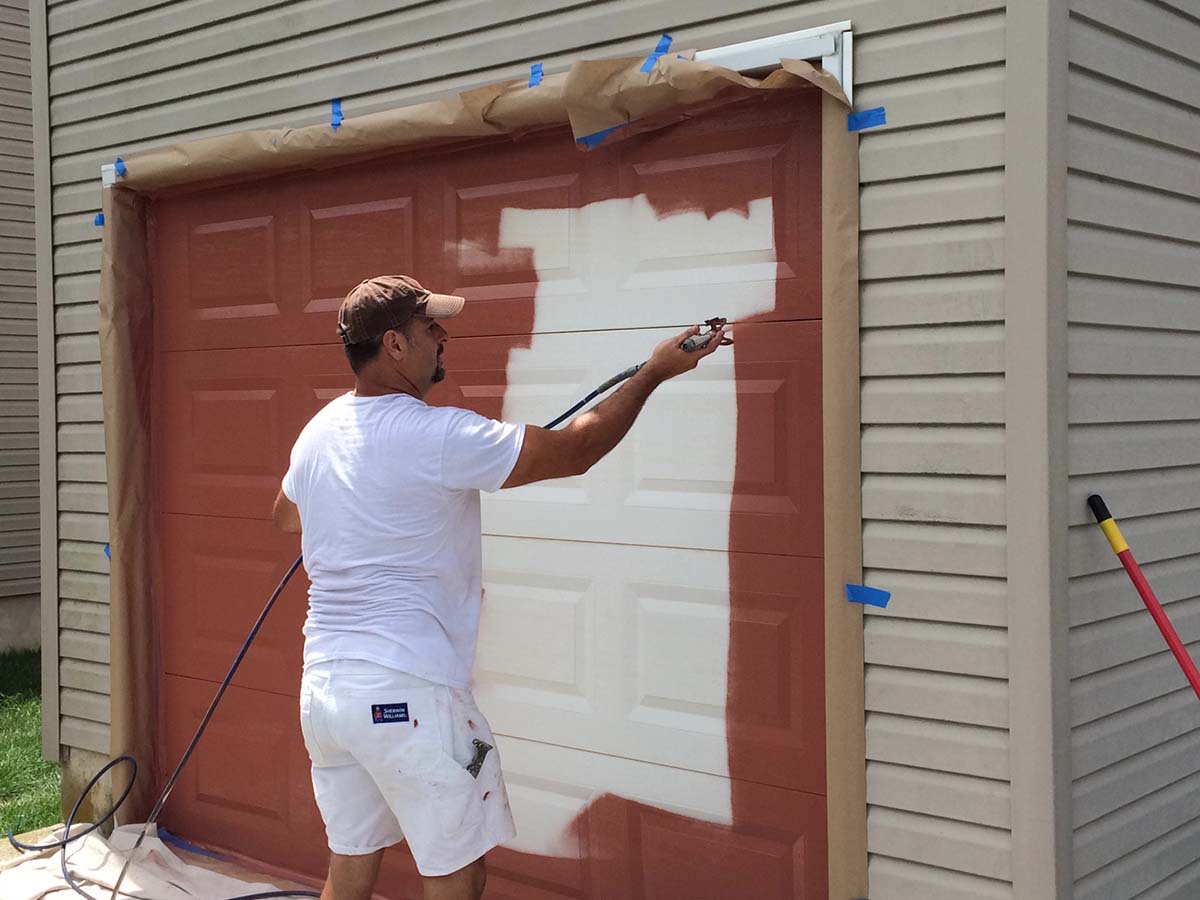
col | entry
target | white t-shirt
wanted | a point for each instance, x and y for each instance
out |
(388, 490)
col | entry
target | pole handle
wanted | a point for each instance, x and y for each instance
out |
(1099, 508)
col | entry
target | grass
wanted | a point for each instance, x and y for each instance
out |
(29, 792)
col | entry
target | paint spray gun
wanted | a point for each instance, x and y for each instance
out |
(698, 341)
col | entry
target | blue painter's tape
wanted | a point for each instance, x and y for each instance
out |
(868, 118)
(107, 552)
(335, 116)
(99, 220)
(860, 593)
(535, 75)
(167, 838)
(593, 139)
(120, 167)
(664, 44)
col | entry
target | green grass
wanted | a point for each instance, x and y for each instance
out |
(28, 785)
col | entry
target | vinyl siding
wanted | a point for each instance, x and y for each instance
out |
(1133, 207)
(20, 584)
(932, 315)
(933, 360)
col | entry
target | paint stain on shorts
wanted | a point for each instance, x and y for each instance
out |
(487, 794)
(416, 723)
(469, 722)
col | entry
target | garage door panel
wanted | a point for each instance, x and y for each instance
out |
(735, 212)
(225, 269)
(217, 575)
(228, 420)
(671, 482)
(635, 845)
(724, 258)
(556, 613)
(225, 437)
(777, 861)
(777, 504)
(247, 785)
(499, 278)
(677, 686)
(345, 233)
(646, 653)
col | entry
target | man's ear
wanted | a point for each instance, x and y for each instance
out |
(395, 345)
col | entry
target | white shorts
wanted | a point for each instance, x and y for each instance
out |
(389, 762)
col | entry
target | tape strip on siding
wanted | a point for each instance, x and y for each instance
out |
(868, 118)
(860, 593)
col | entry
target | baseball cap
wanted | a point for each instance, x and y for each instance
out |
(388, 302)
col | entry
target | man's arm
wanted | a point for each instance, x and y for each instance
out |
(589, 437)
(286, 514)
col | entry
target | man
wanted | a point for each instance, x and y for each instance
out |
(385, 490)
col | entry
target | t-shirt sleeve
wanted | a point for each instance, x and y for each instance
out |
(479, 453)
(292, 479)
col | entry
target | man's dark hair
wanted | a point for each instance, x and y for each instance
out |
(361, 353)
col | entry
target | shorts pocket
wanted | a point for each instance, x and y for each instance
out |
(393, 731)
(306, 725)
(455, 802)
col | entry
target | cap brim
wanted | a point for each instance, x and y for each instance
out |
(443, 306)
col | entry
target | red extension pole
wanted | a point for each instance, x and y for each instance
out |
(1117, 541)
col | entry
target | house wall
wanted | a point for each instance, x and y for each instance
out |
(1133, 212)
(19, 567)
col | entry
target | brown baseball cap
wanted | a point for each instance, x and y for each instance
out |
(388, 302)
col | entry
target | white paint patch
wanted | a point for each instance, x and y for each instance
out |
(634, 654)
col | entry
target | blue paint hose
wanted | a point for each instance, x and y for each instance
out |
(69, 838)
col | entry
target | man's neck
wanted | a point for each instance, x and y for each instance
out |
(370, 387)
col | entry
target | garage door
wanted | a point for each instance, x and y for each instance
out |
(651, 651)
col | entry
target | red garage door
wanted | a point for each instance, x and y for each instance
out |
(651, 653)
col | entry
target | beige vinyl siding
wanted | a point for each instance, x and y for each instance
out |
(19, 552)
(933, 336)
(933, 460)
(1134, 305)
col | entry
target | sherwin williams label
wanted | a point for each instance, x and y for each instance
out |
(382, 713)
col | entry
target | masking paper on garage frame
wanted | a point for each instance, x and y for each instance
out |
(593, 96)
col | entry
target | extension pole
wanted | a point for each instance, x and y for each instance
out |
(1117, 541)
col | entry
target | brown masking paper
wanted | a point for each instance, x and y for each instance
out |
(593, 96)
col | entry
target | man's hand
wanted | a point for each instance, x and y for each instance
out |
(668, 360)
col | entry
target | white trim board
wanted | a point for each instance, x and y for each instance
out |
(832, 44)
